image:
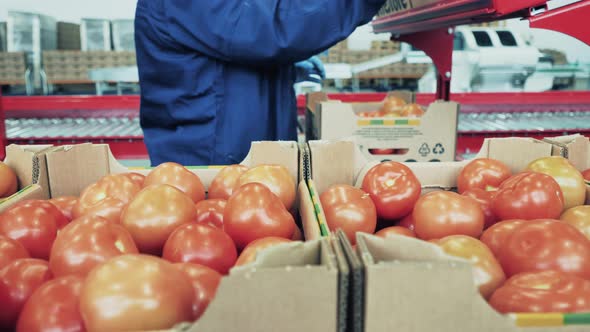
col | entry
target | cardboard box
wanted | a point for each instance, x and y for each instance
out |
(429, 138)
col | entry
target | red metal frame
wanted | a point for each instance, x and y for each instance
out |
(570, 19)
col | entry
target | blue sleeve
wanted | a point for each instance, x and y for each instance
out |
(264, 31)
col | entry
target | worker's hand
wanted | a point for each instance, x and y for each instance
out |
(310, 66)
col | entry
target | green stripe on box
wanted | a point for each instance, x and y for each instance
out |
(577, 319)
(376, 122)
(401, 122)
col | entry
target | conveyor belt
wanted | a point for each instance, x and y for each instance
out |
(73, 127)
(523, 121)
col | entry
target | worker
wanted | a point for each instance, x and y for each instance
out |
(216, 75)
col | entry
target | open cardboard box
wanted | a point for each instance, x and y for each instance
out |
(432, 137)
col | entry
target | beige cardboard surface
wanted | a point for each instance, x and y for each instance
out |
(311, 229)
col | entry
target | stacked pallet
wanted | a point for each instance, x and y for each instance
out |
(398, 70)
(70, 67)
(12, 68)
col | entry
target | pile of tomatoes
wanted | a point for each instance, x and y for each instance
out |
(395, 107)
(526, 234)
(136, 252)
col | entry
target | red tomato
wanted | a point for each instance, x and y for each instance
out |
(482, 173)
(546, 245)
(86, 243)
(225, 181)
(496, 236)
(254, 212)
(276, 178)
(381, 152)
(579, 217)
(412, 111)
(34, 224)
(53, 307)
(8, 181)
(116, 186)
(528, 196)
(136, 177)
(210, 212)
(408, 222)
(201, 244)
(484, 198)
(570, 180)
(136, 293)
(393, 188)
(586, 174)
(443, 213)
(66, 205)
(297, 235)
(395, 230)
(109, 208)
(393, 104)
(349, 209)
(248, 255)
(487, 272)
(546, 291)
(155, 213)
(18, 280)
(11, 250)
(205, 282)
(177, 176)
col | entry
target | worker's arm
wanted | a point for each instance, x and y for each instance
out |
(264, 31)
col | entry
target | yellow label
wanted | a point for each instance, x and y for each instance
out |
(545, 319)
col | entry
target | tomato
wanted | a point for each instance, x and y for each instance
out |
(412, 111)
(11, 250)
(225, 181)
(248, 255)
(393, 188)
(392, 104)
(586, 174)
(155, 213)
(8, 181)
(496, 236)
(205, 282)
(543, 292)
(349, 209)
(254, 212)
(136, 293)
(579, 217)
(567, 176)
(389, 114)
(201, 244)
(34, 224)
(395, 230)
(487, 272)
(177, 176)
(408, 222)
(109, 208)
(53, 307)
(136, 177)
(546, 245)
(482, 173)
(528, 196)
(276, 178)
(66, 205)
(18, 280)
(210, 212)
(86, 243)
(297, 234)
(116, 186)
(443, 213)
(381, 152)
(484, 198)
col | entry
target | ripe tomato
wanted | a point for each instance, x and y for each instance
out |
(34, 224)
(201, 244)
(484, 198)
(381, 152)
(496, 236)
(546, 291)
(205, 282)
(546, 245)
(177, 176)
(297, 234)
(586, 174)
(86, 243)
(155, 213)
(136, 177)
(8, 181)
(11, 250)
(392, 104)
(276, 178)
(225, 181)
(65, 204)
(408, 222)
(567, 176)
(210, 212)
(349, 209)
(18, 280)
(109, 208)
(53, 307)
(248, 255)
(528, 196)
(412, 111)
(116, 186)
(141, 293)
(482, 173)
(487, 272)
(443, 213)
(395, 230)
(254, 212)
(393, 188)
(579, 217)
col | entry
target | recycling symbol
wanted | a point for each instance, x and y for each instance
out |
(438, 149)
(424, 150)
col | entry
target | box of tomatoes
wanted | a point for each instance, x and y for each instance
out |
(497, 243)
(395, 129)
(170, 248)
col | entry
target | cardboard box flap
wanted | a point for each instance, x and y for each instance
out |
(573, 147)
(284, 153)
(309, 220)
(333, 162)
(517, 153)
(313, 99)
(28, 163)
